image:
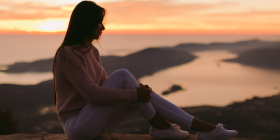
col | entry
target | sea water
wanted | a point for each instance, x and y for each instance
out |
(209, 81)
(206, 81)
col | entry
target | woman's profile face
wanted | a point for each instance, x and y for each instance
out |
(98, 31)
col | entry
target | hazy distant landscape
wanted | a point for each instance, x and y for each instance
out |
(235, 47)
(33, 105)
(164, 57)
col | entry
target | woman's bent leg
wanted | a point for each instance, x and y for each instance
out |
(118, 116)
(171, 112)
(90, 121)
(125, 80)
(166, 109)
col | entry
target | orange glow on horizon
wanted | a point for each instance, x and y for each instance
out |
(147, 17)
(214, 32)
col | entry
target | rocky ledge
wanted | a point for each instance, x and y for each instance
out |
(102, 137)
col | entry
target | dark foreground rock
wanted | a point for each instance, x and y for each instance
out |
(103, 137)
(254, 118)
(33, 107)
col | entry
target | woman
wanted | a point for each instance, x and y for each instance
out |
(89, 103)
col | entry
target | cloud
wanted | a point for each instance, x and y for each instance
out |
(49, 25)
(148, 14)
(30, 11)
(163, 15)
(150, 11)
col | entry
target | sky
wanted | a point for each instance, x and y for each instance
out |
(147, 16)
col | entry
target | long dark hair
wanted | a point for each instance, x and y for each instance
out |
(84, 18)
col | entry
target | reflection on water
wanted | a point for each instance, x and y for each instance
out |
(28, 78)
(209, 81)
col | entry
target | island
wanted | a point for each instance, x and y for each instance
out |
(173, 88)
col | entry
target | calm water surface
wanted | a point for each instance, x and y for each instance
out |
(208, 81)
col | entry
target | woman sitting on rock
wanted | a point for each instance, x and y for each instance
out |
(89, 103)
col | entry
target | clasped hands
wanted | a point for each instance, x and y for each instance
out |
(144, 93)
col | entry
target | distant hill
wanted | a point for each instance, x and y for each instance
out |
(235, 47)
(154, 58)
(145, 62)
(268, 58)
(44, 65)
(26, 102)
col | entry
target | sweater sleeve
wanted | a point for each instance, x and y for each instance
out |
(104, 77)
(77, 74)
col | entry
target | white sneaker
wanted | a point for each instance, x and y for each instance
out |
(174, 132)
(219, 133)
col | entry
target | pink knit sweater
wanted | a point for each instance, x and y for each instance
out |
(78, 82)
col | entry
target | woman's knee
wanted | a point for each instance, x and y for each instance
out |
(122, 72)
(122, 78)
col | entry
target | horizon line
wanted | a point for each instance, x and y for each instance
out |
(155, 32)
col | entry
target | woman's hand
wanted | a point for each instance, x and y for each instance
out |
(144, 93)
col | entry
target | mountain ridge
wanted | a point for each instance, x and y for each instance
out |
(45, 65)
(268, 58)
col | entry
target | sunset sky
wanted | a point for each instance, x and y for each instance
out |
(147, 16)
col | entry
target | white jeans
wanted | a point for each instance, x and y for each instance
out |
(93, 121)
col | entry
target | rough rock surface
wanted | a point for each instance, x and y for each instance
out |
(103, 137)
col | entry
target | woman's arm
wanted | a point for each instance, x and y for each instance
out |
(76, 73)
(104, 77)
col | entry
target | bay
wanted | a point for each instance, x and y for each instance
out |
(206, 81)
(209, 81)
